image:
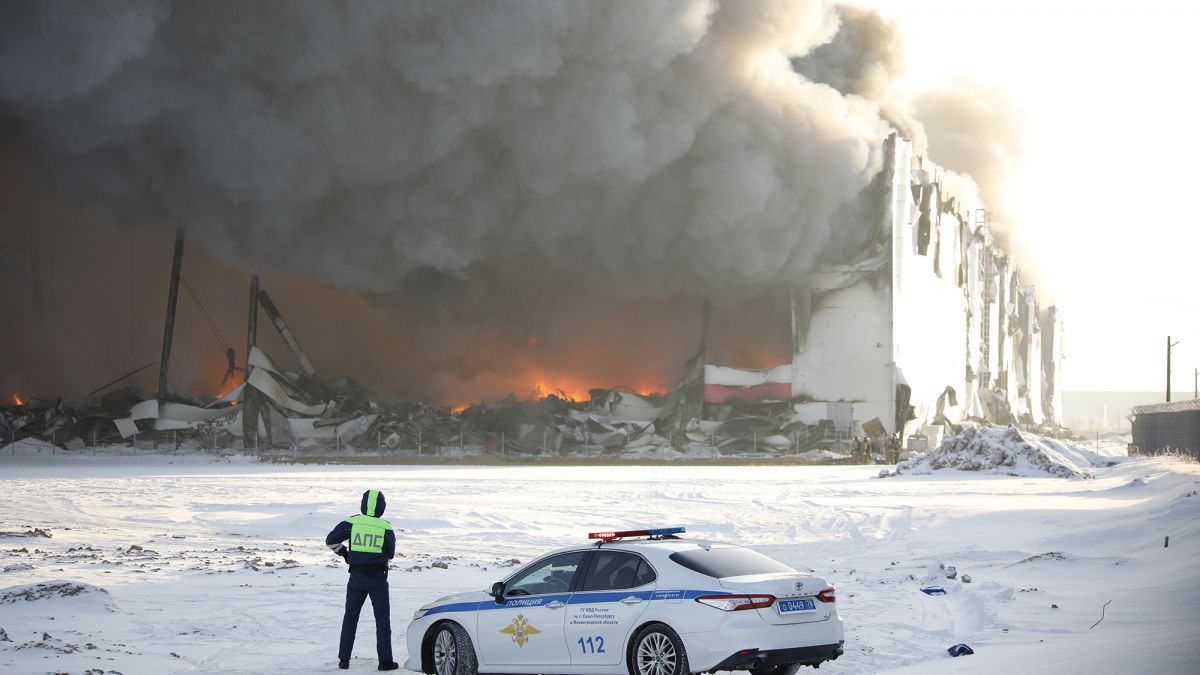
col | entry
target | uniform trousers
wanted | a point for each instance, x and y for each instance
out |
(361, 585)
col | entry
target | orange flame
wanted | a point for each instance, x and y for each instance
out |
(232, 385)
(560, 386)
(17, 400)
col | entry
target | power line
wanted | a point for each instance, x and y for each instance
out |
(204, 313)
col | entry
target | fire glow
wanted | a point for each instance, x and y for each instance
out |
(17, 400)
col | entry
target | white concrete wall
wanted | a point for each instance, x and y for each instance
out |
(929, 311)
(915, 326)
(847, 356)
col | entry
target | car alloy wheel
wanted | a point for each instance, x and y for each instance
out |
(445, 652)
(656, 655)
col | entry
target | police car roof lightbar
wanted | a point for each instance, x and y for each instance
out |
(657, 532)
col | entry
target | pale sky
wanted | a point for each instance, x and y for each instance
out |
(1111, 97)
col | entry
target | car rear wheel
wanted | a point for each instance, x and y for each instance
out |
(453, 653)
(657, 650)
(782, 669)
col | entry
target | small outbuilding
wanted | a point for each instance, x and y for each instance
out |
(1163, 427)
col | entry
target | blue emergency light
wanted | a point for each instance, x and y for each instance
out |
(657, 532)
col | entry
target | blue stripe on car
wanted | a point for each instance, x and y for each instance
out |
(571, 599)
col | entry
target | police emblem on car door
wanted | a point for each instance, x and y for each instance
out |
(524, 626)
(520, 630)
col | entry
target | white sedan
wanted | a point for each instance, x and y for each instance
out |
(658, 605)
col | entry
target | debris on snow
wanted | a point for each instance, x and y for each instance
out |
(960, 650)
(1004, 451)
(34, 532)
(53, 590)
(1050, 555)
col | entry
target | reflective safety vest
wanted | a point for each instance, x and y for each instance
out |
(367, 533)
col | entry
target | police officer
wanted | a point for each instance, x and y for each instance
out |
(372, 545)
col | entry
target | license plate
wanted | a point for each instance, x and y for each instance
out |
(793, 606)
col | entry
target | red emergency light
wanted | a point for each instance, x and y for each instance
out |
(657, 532)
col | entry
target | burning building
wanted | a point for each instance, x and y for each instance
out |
(538, 208)
(928, 326)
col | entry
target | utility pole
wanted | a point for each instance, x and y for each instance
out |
(252, 322)
(169, 328)
(1196, 383)
(1169, 345)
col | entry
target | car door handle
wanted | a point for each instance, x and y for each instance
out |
(555, 605)
(631, 600)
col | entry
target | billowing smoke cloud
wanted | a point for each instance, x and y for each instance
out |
(864, 59)
(524, 185)
(974, 130)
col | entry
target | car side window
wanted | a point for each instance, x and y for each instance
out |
(616, 570)
(552, 575)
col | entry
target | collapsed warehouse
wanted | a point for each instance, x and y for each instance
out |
(929, 327)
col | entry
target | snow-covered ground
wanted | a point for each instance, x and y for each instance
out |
(196, 566)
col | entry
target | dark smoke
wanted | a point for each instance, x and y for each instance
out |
(522, 186)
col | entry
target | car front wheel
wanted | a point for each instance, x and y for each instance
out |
(657, 650)
(453, 653)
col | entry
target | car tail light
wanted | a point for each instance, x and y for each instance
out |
(827, 595)
(735, 603)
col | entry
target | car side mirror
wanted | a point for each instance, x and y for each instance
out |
(497, 592)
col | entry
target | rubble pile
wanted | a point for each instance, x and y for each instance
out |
(1003, 451)
(279, 409)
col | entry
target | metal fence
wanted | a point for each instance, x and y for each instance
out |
(500, 446)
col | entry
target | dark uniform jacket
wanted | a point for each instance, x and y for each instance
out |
(364, 561)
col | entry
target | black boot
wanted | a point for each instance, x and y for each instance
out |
(389, 665)
(344, 665)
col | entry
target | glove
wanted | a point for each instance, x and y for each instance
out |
(343, 552)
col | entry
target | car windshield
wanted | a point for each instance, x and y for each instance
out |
(729, 562)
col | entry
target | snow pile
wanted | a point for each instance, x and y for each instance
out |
(1005, 451)
(96, 597)
(28, 446)
(1081, 456)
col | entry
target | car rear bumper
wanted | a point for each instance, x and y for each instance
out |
(774, 657)
(746, 632)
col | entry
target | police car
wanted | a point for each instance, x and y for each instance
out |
(652, 605)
